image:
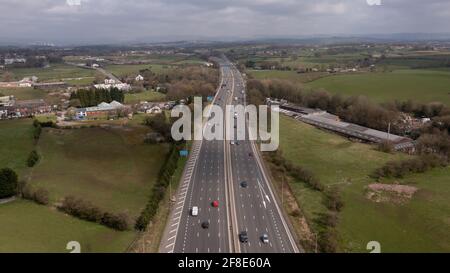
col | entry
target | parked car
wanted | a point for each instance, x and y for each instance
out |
(215, 204)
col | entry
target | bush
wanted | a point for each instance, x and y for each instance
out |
(40, 196)
(115, 221)
(296, 213)
(398, 169)
(33, 158)
(333, 200)
(328, 242)
(37, 130)
(386, 147)
(8, 183)
(87, 211)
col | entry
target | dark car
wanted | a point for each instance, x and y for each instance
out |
(205, 225)
(250, 154)
(244, 184)
(243, 237)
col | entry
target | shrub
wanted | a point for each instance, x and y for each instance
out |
(115, 221)
(37, 130)
(33, 158)
(386, 147)
(333, 200)
(87, 211)
(295, 213)
(328, 241)
(8, 183)
(399, 169)
(41, 196)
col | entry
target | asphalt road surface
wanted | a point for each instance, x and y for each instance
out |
(256, 207)
(214, 172)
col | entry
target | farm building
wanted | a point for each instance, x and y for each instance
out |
(103, 109)
(325, 120)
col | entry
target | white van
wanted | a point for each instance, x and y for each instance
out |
(194, 211)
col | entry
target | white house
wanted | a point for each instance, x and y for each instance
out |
(139, 78)
(120, 86)
(154, 110)
(110, 81)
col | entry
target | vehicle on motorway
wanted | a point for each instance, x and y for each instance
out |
(205, 225)
(243, 237)
(194, 211)
(244, 184)
(215, 204)
(232, 142)
(265, 238)
(250, 154)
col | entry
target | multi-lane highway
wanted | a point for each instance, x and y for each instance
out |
(215, 172)
(257, 209)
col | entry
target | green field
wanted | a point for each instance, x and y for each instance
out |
(132, 98)
(419, 225)
(133, 69)
(287, 75)
(418, 85)
(110, 167)
(54, 72)
(16, 143)
(27, 227)
(24, 93)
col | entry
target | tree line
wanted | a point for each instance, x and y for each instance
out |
(93, 97)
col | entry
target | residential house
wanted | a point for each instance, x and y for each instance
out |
(110, 81)
(139, 78)
(10, 61)
(4, 112)
(121, 86)
(7, 101)
(150, 108)
(28, 108)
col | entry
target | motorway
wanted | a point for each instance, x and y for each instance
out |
(215, 171)
(256, 207)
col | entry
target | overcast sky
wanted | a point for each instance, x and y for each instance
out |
(97, 21)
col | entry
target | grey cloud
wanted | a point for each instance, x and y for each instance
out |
(132, 20)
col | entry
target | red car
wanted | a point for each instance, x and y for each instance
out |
(215, 204)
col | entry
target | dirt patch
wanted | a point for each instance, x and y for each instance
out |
(390, 193)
